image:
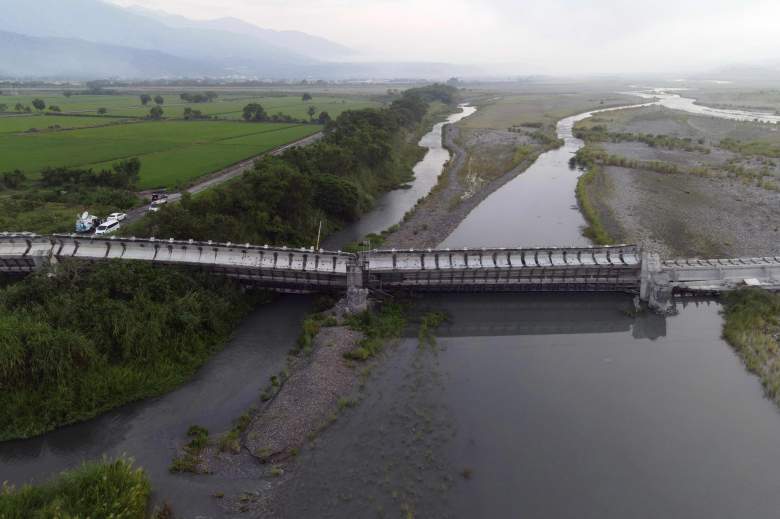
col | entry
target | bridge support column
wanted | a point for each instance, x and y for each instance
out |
(357, 294)
(655, 288)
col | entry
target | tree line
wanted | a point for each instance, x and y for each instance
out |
(283, 199)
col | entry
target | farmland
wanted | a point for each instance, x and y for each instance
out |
(173, 151)
(228, 106)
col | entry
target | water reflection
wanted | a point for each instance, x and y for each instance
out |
(475, 315)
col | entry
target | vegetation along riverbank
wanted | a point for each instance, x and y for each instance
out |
(110, 488)
(283, 199)
(90, 338)
(752, 327)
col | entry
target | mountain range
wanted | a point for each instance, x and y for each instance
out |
(84, 39)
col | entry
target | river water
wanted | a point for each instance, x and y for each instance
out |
(666, 97)
(556, 405)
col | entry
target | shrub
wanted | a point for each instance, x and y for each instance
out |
(105, 489)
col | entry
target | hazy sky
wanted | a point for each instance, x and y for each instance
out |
(544, 35)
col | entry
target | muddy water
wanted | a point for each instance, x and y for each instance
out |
(392, 206)
(552, 406)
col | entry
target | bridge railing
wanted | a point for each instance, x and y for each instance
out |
(501, 258)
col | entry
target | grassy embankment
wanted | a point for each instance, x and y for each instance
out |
(99, 490)
(90, 339)
(752, 327)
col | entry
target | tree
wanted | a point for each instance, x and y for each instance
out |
(189, 114)
(3, 107)
(54, 108)
(211, 96)
(102, 111)
(156, 112)
(254, 112)
(158, 99)
(324, 118)
(13, 179)
(67, 93)
(145, 98)
(306, 97)
(19, 107)
(39, 104)
(311, 111)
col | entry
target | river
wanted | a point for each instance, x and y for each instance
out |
(536, 405)
(553, 405)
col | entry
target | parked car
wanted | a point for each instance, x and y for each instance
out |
(107, 227)
(116, 216)
(159, 198)
(153, 208)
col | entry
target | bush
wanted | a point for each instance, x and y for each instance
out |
(92, 338)
(106, 489)
(377, 326)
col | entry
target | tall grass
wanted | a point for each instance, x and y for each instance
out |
(595, 230)
(88, 339)
(377, 326)
(752, 326)
(97, 490)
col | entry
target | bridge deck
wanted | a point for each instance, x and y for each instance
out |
(614, 268)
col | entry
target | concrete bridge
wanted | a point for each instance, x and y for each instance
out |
(623, 268)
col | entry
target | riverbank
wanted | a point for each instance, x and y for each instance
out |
(678, 184)
(458, 191)
(752, 326)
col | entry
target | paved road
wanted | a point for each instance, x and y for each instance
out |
(219, 177)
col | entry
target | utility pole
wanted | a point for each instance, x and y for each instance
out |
(319, 232)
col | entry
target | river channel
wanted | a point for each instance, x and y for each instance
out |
(556, 405)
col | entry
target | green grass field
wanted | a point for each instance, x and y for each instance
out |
(171, 152)
(20, 124)
(228, 106)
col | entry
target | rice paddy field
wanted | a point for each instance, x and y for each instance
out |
(228, 106)
(172, 151)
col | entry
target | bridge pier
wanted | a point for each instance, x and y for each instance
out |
(357, 294)
(654, 287)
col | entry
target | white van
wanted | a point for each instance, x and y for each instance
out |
(107, 227)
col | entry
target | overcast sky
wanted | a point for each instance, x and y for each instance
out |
(543, 35)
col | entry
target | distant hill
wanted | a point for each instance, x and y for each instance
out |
(98, 22)
(296, 41)
(85, 39)
(29, 56)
